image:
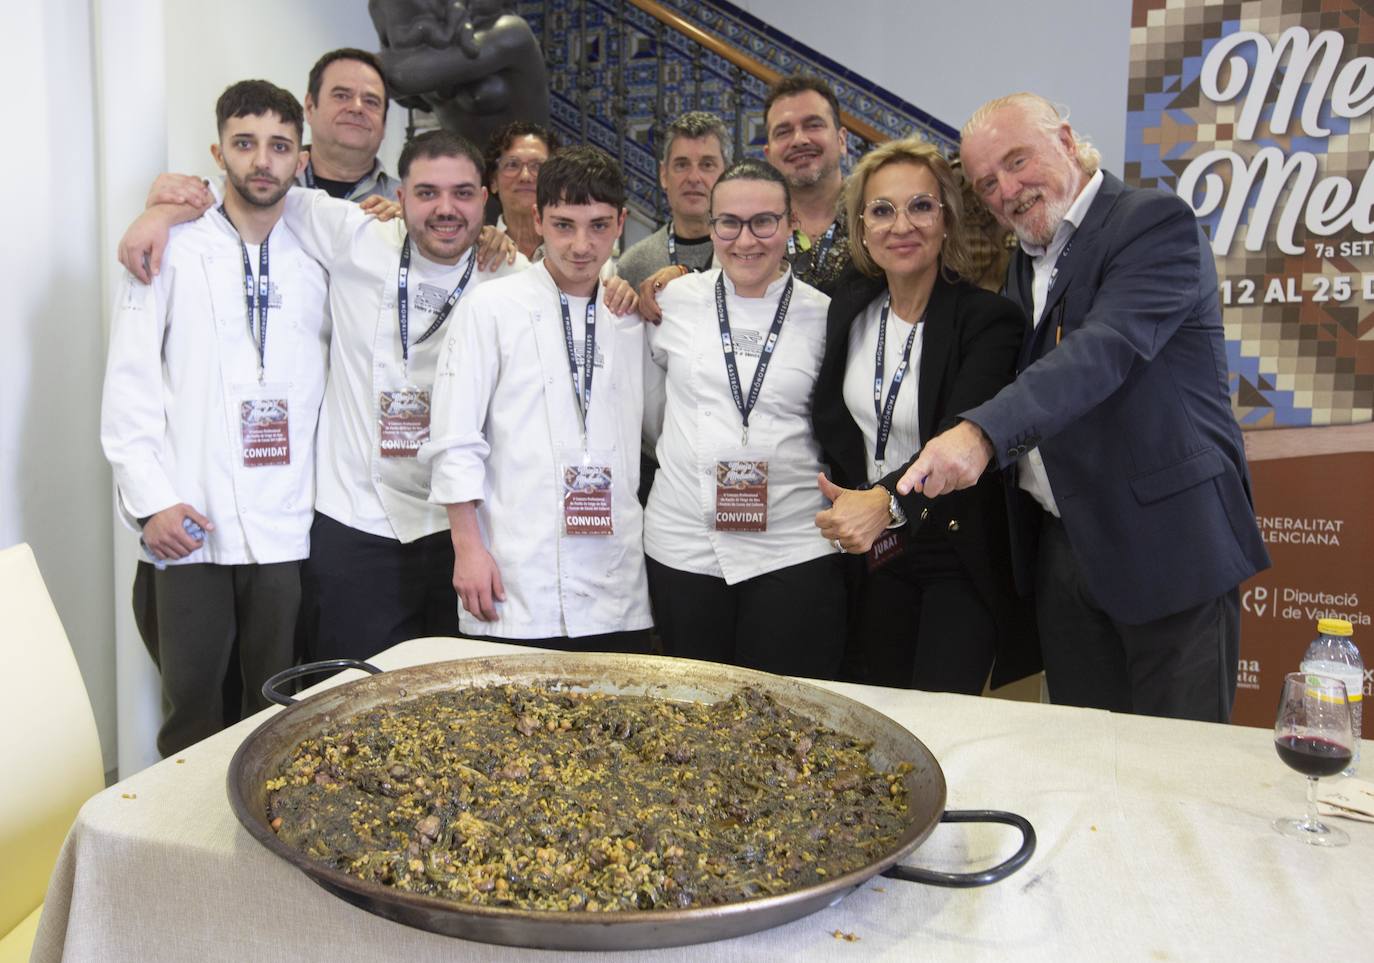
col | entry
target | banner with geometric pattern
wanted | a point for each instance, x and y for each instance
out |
(1261, 114)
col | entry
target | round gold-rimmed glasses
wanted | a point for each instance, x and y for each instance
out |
(921, 210)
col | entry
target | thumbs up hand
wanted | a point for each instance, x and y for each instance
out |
(855, 517)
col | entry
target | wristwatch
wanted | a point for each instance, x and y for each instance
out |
(896, 517)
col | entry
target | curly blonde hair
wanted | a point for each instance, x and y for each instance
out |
(954, 254)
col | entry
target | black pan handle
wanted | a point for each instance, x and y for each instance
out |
(269, 688)
(968, 880)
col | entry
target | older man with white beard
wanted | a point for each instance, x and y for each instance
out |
(1129, 491)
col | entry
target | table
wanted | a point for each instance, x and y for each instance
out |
(1154, 836)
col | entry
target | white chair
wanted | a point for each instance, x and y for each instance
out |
(49, 749)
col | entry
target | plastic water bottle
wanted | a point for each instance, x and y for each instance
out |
(1333, 653)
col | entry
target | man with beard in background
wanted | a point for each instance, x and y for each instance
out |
(806, 144)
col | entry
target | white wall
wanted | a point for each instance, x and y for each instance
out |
(54, 484)
(948, 58)
(210, 45)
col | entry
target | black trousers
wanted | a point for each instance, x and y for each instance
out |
(362, 593)
(194, 620)
(1182, 666)
(921, 623)
(791, 621)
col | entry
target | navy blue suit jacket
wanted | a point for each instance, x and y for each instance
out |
(1123, 387)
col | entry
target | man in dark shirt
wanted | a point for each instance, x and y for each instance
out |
(346, 107)
(806, 144)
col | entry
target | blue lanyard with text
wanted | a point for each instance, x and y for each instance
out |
(884, 411)
(582, 395)
(256, 295)
(403, 305)
(822, 249)
(765, 355)
(1063, 256)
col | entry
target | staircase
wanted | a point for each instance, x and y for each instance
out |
(621, 70)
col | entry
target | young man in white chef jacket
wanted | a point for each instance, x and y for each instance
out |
(535, 442)
(380, 552)
(212, 392)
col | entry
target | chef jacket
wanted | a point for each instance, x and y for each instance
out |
(692, 418)
(504, 418)
(357, 486)
(182, 361)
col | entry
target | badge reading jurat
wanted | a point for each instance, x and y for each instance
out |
(885, 548)
(404, 422)
(265, 432)
(742, 495)
(587, 500)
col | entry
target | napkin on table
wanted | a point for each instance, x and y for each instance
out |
(1350, 797)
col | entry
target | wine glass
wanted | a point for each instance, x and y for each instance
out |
(1313, 735)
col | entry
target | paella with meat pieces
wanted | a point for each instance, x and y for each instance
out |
(544, 798)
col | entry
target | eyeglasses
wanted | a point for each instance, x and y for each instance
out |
(512, 166)
(922, 210)
(728, 226)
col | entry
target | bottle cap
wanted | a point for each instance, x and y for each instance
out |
(1335, 627)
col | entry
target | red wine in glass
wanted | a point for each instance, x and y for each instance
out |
(1312, 756)
(1313, 735)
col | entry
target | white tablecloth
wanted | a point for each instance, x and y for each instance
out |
(1154, 844)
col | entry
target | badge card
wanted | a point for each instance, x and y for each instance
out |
(741, 495)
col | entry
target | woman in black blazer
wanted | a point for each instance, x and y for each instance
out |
(935, 607)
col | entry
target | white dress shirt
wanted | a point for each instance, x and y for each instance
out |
(1030, 469)
(183, 360)
(904, 440)
(692, 415)
(358, 487)
(506, 421)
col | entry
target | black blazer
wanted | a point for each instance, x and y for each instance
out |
(969, 351)
(1131, 411)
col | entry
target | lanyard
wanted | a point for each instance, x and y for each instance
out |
(765, 356)
(672, 246)
(583, 395)
(403, 304)
(884, 410)
(256, 296)
(1063, 256)
(822, 249)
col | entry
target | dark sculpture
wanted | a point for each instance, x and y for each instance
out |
(474, 64)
